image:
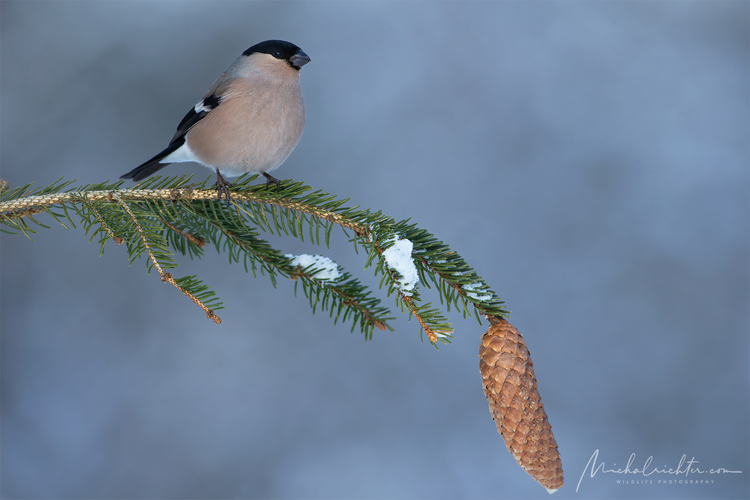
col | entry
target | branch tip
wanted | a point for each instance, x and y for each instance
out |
(212, 316)
(493, 319)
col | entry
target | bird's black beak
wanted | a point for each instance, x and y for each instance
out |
(299, 59)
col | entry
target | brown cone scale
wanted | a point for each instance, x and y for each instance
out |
(515, 405)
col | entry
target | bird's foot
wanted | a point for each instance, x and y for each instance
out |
(271, 179)
(222, 186)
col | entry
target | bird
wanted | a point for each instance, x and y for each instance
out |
(249, 121)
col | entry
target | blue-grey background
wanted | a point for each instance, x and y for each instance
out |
(590, 160)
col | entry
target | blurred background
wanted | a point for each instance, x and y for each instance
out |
(588, 159)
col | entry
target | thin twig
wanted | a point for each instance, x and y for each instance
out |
(193, 239)
(412, 309)
(431, 334)
(210, 314)
(458, 288)
(236, 239)
(348, 301)
(115, 197)
(165, 277)
(115, 238)
(407, 300)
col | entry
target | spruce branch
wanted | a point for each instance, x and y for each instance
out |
(163, 216)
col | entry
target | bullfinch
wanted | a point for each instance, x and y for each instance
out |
(249, 121)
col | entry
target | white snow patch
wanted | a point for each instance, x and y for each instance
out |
(551, 491)
(398, 258)
(326, 268)
(481, 296)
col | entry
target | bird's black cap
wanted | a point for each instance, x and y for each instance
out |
(280, 50)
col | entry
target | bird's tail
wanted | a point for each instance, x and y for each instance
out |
(151, 166)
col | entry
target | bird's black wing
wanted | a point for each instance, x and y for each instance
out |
(196, 114)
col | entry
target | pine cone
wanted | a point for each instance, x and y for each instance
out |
(515, 404)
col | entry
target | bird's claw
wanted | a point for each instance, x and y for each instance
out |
(270, 179)
(222, 186)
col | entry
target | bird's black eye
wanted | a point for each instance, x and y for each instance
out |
(278, 54)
